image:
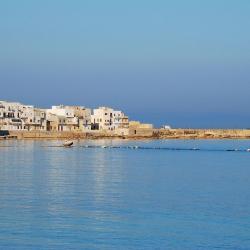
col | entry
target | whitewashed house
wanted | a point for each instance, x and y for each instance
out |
(17, 116)
(10, 116)
(120, 120)
(61, 111)
(105, 118)
(33, 118)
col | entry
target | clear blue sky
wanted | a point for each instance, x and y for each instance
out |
(186, 63)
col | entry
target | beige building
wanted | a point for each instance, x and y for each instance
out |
(16, 116)
(61, 123)
(52, 122)
(68, 123)
(140, 129)
(69, 118)
(84, 117)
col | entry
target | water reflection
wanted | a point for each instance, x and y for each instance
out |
(107, 174)
(81, 198)
(89, 179)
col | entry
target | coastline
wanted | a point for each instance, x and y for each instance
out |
(156, 134)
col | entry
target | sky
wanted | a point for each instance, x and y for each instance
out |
(183, 63)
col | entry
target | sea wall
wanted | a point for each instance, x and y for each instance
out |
(202, 133)
(138, 134)
(60, 135)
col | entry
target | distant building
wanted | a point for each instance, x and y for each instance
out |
(17, 116)
(120, 120)
(166, 127)
(142, 129)
(69, 118)
(33, 118)
(61, 111)
(84, 117)
(10, 113)
(52, 122)
(105, 118)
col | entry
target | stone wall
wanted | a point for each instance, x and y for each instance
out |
(202, 133)
(61, 135)
(138, 133)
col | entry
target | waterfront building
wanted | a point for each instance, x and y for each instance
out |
(120, 120)
(33, 118)
(17, 116)
(69, 118)
(84, 117)
(57, 122)
(105, 118)
(10, 115)
(137, 128)
(52, 122)
(68, 123)
(61, 110)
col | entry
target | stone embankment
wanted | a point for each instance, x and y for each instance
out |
(202, 133)
(152, 134)
(56, 135)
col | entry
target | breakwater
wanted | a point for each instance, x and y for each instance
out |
(202, 133)
(152, 134)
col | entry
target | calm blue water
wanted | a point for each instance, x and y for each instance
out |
(120, 198)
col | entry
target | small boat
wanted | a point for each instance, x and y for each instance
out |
(68, 143)
(195, 149)
(248, 150)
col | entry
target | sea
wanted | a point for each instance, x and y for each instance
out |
(125, 194)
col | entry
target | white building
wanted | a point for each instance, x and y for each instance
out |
(105, 118)
(33, 118)
(120, 120)
(61, 111)
(17, 116)
(166, 126)
(10, 115)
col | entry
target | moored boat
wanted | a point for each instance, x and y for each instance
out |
(68, 143)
